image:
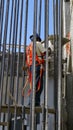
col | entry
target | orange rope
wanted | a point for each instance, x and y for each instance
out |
(29, 79)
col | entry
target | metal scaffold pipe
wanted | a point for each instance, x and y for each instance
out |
(5, 98)
(25, 38)
(17, 80)
(11, 18)
(4, 51)
(33, 66)
(55, 64)
(56, 31)
(46, 63)
(12, 60)
(1, 20)
(17, 85)
(39, 20)
(1, 29)
(60, 67)
(71, 34)
(24, 54)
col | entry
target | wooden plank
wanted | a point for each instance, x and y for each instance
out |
(4, 109)
(4, 123)
(52, 37)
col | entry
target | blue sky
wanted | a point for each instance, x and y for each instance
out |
(30, 20)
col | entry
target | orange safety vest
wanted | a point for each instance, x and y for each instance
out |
(29, 53)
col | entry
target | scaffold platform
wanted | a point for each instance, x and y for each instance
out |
(4, 109)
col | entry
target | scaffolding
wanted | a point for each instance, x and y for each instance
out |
(14, 30)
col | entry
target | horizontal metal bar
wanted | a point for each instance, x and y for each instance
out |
(4, 109)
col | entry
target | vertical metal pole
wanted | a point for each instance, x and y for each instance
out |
(17, 80)
(64, 23)
(39, 21)
(14, 43)
(8, 56)
(11, 88)
(24, 54)
(6, 75)
(55, 63)
(8, 66)
(12, 60)
(37, 14)
(4, 51)
(64, 50)
(1, 21)
(55, 20)
(43, 109)
(25, 36)
(60, 68)
(46, 63)
(71, 33)
(43, 121)
(1, 31)
(33, 66)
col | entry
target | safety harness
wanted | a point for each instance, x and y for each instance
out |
(39, 61)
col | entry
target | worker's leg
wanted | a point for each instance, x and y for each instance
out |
(38, 79)
(38, 93)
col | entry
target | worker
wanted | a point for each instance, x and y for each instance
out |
(40, 53)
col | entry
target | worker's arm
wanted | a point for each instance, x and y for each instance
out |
(40, 50)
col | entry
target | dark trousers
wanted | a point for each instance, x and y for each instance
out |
(37, 80)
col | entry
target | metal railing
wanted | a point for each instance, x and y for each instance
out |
(15, 21)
